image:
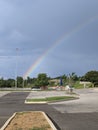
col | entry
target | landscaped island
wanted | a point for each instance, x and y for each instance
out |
(29, 121)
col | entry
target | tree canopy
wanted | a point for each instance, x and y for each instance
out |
(42, 80)
(91, 76)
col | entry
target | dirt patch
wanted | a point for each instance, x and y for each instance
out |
(29, 121)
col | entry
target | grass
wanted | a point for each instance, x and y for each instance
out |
(41, 128)
(51, 99)
(37, 128)
(77, 85)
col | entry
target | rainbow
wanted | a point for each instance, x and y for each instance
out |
(56, 43)
(41, 58)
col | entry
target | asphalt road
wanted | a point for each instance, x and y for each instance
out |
(66, 120)
(87, 103)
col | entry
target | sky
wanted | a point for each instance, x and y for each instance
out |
(55, 37)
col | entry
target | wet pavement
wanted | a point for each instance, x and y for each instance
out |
(66, 120)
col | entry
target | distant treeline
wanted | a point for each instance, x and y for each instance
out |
(43, 80)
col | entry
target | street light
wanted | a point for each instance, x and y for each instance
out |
(16, 67)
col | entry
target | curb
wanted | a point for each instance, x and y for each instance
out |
(7, 122)
(49, 121)
(46, 117)
(35, 102)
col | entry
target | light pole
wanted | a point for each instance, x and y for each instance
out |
(16, 67)
(23, 82)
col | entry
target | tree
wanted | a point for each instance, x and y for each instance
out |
(10, 83)
(64, 79)
(30, 81)
(2, 83)
(19, 81)
(72, 78)
(92, 76)
(42, 80)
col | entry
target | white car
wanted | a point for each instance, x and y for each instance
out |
(36, 88)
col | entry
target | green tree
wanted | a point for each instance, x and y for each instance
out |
(72, 78)
(10, 83)
(29, 80)
(42, 80)
(19, 82)
(64, 79)
(92, 76)
(2, 83)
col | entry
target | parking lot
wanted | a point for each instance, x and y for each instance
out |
(81, 114)
(87, 103)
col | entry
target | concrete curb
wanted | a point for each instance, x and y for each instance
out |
(46, 117)
(7, 122)
(49, 121)
(35, 102)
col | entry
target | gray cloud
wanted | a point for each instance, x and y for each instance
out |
(34, 26)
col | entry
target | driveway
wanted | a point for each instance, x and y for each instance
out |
(65, 114)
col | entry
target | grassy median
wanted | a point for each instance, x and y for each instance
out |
(51, 99)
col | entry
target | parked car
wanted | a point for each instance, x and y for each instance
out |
(35, 88)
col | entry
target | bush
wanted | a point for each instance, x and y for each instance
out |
(96, 84)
